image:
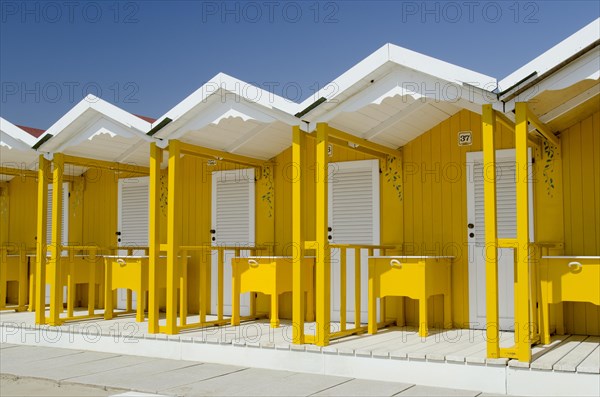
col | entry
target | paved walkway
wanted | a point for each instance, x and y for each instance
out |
(44, 371)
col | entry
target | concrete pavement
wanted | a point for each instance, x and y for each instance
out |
(43, 371)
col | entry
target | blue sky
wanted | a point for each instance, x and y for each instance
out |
(146, 56)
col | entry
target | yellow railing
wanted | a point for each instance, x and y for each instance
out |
(323, 330)
(357, 248)
(176, 323)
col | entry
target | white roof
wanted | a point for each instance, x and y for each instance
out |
(556, 55)
(395, 95)
(96, 129)
(373, 66)
(234, 116)
(563, 85)
(15, 149)
(12, 135)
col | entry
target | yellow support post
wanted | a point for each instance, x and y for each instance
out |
(173, 234)
(298, 154)
(42, 243)
(522, 318)
(156, 155)
(491, 238)
(56, 304)
(323, 270)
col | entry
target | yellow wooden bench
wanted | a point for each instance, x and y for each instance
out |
(567, 278)
(132, 273)
(416, 277)
(13, 268)
(73, 270)
(270, 275)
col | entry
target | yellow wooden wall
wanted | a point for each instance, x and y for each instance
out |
(581, 177)
(20, 213)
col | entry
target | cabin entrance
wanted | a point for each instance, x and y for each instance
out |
(233, 225)
(353, 219)
(506, 174)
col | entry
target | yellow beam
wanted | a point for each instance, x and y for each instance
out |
(541, 127)
(108, 165)
(505, 121)
(204, 152)
(156, 155)
(17, 172)
(42, 245)
(491, 237)
(173, 233)
(298, 157)
(522, 317)
(56, 304)
(335, 133)
(344, 144)
(323, 293)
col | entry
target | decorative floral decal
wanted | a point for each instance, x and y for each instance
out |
(393, 176)
(548, 170)
(267, 198)
(3, 200)
(164, 193)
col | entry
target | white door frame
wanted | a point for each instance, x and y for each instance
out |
(477, 157)
(373, 166)
(144, 180)
(237, 174)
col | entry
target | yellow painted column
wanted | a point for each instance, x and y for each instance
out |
(522, 318)
(156, 154)
(491, 237)
(298, 156)
(42, 243)
(323, 270)
(173, 234)
(56, 245)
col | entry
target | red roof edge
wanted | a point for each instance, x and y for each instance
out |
(146, 118)
(35, 132)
